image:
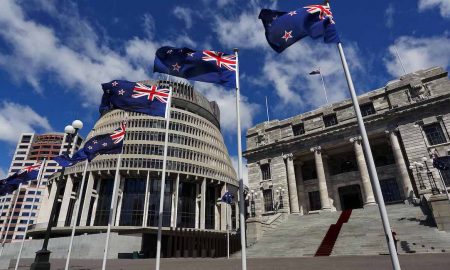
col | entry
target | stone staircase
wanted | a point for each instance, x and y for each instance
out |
(364, 235)
(300, 236)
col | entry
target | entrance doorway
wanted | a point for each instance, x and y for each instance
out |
(350, 197)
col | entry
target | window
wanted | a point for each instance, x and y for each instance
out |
(298, 129)
(367, 109)
(18, 236)
(435, 134)
(330, 120)
(265, 170)
(268, 200)
(314, 201)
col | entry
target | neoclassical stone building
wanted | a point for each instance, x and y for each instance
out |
(199, 170)
(315, 161)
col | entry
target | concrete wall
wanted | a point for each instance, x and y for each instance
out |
(84, 247)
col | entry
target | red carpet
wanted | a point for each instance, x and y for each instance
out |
(326, 247)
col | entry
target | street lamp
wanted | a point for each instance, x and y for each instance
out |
(280, 191)
(418, 166)
(434, 188)
(252, 203)
(42, 259)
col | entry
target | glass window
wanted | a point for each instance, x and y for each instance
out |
(330, 120)
(133, 202)
(153, 208)
(435, 134)
(268, 200)
(186, 205)
(298, 129)
(265, 170)
(367, 109)
(104, 202)
(211, 201)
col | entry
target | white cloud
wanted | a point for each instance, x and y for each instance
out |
(36, 49)
(242, 31)
(3, 173)
(16, 119)
(443, 5)
(389, 16)
(184, 14)
(418, 53)
(234, 161)
(226, 99)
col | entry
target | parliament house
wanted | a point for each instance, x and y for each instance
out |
(314, 162)
(199, 171)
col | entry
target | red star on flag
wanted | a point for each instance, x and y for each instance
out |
(115, 83)
(176, 67)
(287, 35)
(292, 13)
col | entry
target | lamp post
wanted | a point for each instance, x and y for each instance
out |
(252, 203)
(280, 192)
(42, 259)
(434, 188)
(418, 166)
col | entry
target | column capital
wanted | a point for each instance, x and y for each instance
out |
(316, 149)
(355, 139)
(289, 156)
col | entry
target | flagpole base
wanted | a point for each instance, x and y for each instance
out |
(42, 260)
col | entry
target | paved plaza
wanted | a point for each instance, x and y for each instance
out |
(408, 262)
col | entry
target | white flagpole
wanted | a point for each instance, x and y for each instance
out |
(267, 110)
(370, 164)
(163, 183)
(112, 210)
(39, 180)
(74, 218)
(323, 85)
(10, 219)
(241, 179)
(228, 230)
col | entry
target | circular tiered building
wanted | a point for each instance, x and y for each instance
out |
(199, 169)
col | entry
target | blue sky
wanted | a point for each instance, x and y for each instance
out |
(54, 55)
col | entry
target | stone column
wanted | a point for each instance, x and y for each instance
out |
(369, 198)
(87, 199)
(300, 188)
(323, 190)
(175, 201)
(401, 165)
(217, 209)
(292, 185)
(146, 200)
(331, 193)
(197, 207)
(203, 204)
(120, 194)
(223, 209)
(65, 201)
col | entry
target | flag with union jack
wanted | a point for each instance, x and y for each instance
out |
(283, 29)
(205, 66)
(109, 143)
(134, 97)
(22, 176)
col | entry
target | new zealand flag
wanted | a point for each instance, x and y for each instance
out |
(26, 174)
(442, 163)
(205, 66)
(134, 97)
(111, 143)
(285, 28)
(228, 197)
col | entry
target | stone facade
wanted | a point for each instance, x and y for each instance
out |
(315, 161)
